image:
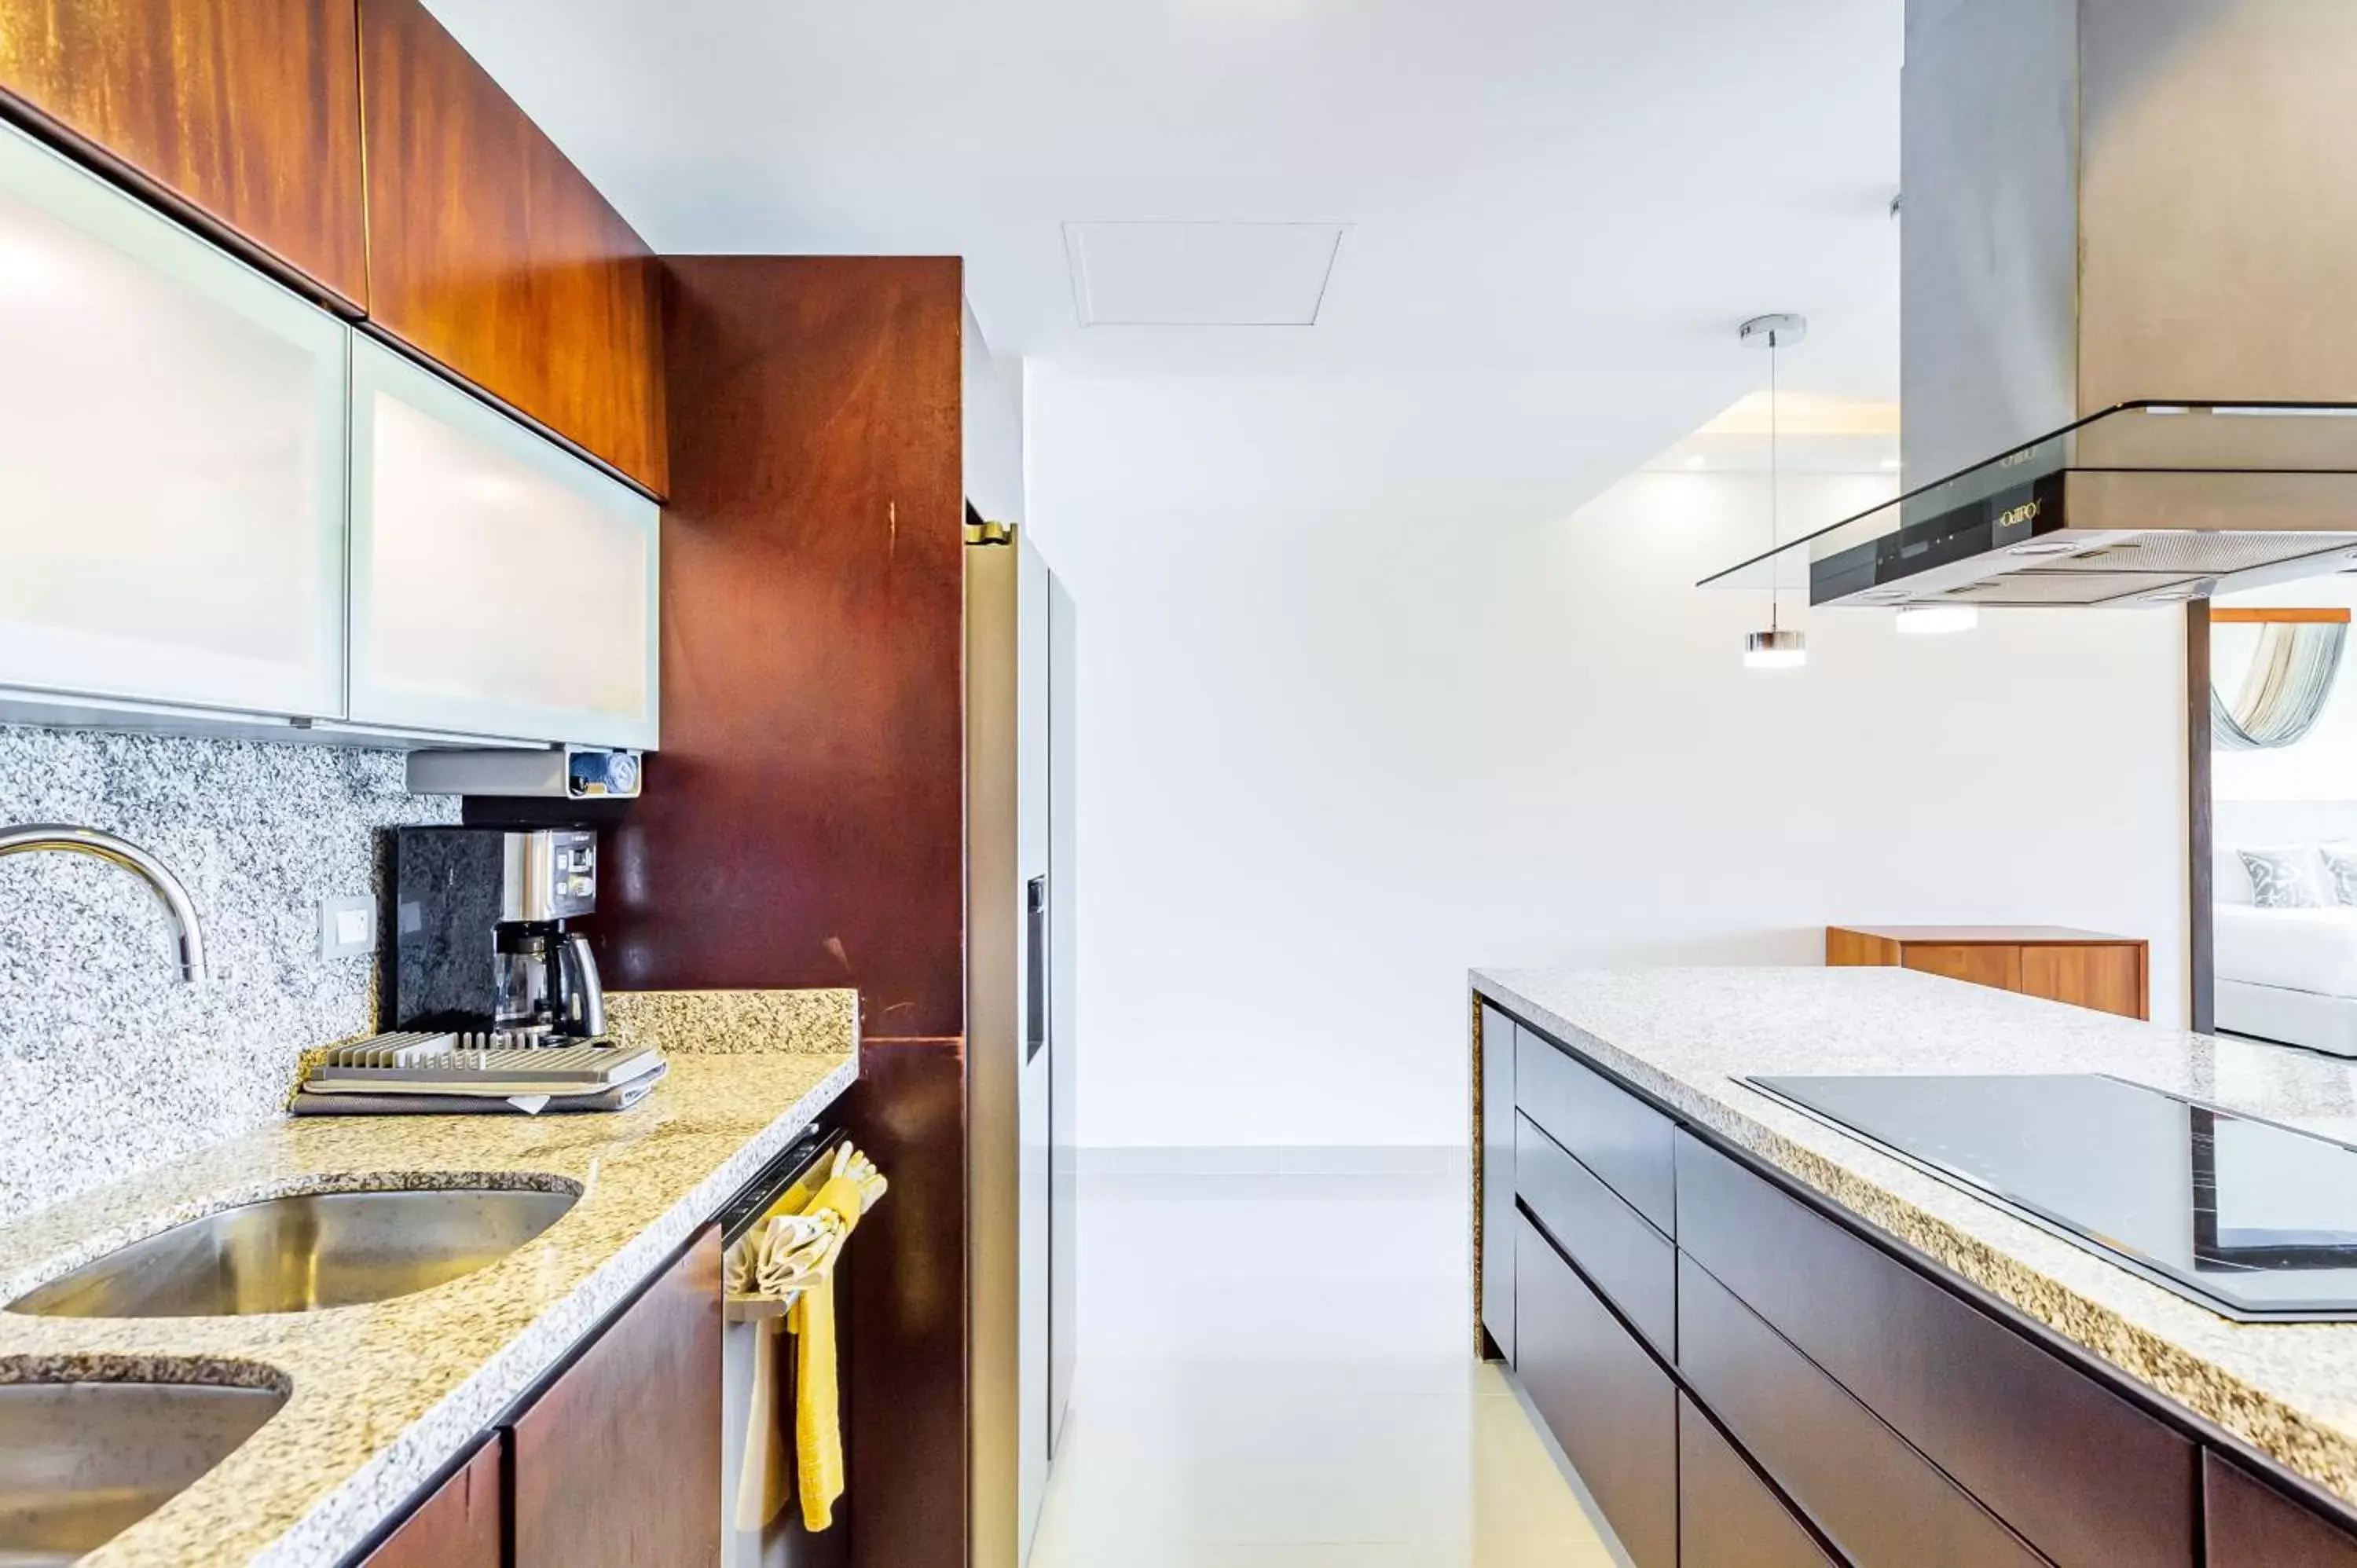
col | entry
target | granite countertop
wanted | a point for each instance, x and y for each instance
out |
(384, 1395)
(1687, 1035)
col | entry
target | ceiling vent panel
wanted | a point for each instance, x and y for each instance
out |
(1202, 274)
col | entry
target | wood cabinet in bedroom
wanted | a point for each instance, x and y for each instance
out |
(2087, 969)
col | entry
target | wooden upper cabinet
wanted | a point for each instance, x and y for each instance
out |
(245, 111)
(492, 254)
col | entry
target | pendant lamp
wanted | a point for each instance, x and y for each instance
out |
(1780, 647)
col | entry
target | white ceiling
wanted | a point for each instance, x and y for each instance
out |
(1595, 190)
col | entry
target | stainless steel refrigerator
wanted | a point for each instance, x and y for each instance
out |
(1020, 1069)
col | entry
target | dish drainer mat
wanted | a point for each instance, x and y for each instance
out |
(440, 1063)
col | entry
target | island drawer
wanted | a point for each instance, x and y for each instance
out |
(2252, 1525)
(1627, 1260)
(1620, 1137)
(1607, 1403)
(2076, 1469)
(1727, 1514)
(1879, 1500)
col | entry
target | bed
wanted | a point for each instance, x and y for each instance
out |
(2283, 974)
(2288, 974)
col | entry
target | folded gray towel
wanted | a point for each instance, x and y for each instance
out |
(621, 1097)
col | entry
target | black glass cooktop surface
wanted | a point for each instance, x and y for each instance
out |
(2252, 1220)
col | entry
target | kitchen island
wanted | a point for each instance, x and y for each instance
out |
(383, 1399)
(1798, 1338)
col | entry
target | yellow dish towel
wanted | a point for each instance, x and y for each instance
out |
(818, 1427)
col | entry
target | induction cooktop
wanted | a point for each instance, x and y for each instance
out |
(2254, 1220)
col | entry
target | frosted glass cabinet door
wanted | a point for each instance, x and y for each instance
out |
(500, 586)
(171, 460)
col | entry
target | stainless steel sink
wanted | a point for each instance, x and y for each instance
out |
(301, 1253)
(81, 1463)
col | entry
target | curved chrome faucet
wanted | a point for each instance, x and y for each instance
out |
(64, 838)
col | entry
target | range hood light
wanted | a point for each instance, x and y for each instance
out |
(1937, 620)
(1781, 649)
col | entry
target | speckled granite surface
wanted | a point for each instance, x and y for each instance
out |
(724, 1023)
(384, 1395)
(111, 1064)
(1687, 1035)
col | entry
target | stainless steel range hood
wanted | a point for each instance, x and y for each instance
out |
(2129, 336)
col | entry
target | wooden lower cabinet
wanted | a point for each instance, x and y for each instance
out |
(459, 1526)
(2249, 1524)
(1824, 1397)
(617, 1465)
(1611, 1406)
(1728, 1517)
(2086, 969)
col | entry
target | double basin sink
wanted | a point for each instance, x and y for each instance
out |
(83, 1459)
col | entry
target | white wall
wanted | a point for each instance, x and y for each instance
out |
(1368, 698)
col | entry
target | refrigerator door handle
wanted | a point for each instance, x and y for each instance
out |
(1035, 968)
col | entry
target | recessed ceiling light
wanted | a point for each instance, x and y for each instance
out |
(2043, 547)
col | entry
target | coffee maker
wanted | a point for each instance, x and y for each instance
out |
(478, 941)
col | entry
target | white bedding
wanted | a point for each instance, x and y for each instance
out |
(2299, 949)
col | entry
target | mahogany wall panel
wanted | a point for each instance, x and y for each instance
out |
(490, 253)
(905, 1274)
(245, 111)
(803, 824)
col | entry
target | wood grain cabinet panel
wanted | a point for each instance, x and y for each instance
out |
(2000, 967)
(1728, 1517)
(492, 254)
(1611, 1406)
(618, 1463)
(2252, 1525)
(2108, 979)
(2062, 963)
(457, 1526)
(2091, 1480)
(246, 111)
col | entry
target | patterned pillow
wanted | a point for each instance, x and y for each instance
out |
(2340, 872)
(2283, 878)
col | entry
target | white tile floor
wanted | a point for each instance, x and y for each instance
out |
(1273, 1375)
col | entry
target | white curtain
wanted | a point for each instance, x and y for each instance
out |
(2285, 690)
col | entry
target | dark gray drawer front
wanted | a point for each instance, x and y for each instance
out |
(1611, 1406)
(2252, 1525)
(1881, 1503)
(2085, 1476)
(1628, 1260)
(1726, 1515)
(1615, 1134)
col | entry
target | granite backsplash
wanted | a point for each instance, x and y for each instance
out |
(108, 1064)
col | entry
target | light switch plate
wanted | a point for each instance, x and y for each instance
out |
(347, 927)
